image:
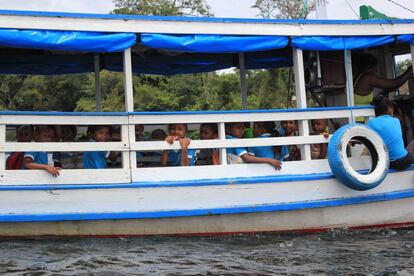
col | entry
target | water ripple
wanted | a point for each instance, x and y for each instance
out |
(375, 252)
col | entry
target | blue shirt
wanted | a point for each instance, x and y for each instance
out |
(283, 154)
(174, 157)
(95, 159)
(265, 151)
(41, 157)
(235, 151)
(389, 128)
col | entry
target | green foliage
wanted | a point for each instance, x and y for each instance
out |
(10, 86)
(163, 7)
(292, 9)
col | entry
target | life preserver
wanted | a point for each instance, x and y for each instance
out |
(339, 163)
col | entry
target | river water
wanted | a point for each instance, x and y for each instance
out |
(374, 252)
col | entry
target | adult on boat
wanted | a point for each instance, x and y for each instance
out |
(366, 77)
(389, 129)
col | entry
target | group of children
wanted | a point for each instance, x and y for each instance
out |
(53, 162)
(272, 155)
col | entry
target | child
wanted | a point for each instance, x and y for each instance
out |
(69, 160)
(290, 128)
(208, 156)
(97, 159)
(320, 126)
(183, 157)
(263, 130)
(158, 135)
(42, 160)
(389, 128)
(24, 134)
(235, 131)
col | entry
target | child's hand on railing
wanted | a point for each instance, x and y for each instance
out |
(54, 171)
(184, 142)
(276, 164)
(325, 134)
(170, 139)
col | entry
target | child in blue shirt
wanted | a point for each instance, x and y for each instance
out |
(263, 130)
(389, 128)
(97, 159)
(236, 131)
(183, 157)
(39, 160)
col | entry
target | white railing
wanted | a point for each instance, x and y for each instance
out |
(128, 145)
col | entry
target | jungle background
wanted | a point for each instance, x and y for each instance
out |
(206, 91)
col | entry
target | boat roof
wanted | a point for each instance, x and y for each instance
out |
(63, 43)
(200, 25)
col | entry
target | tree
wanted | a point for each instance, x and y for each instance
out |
(10, 85)
(163, 7)
(289, 9)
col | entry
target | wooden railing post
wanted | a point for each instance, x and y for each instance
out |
(222, 136)
(301, 99)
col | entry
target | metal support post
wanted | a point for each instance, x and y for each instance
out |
(243, 88)
(350, 99)
(301, 99)
(128, 132)
(98, 95)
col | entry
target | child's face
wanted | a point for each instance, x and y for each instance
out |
(24, 134)
(207, 133)
(289, 127)
(318, 126)
(180, 130)
(258, 129)
(158, 135)
(139, 130)
(237, 130)
(67, 134)
(101, 134)
(46, 135)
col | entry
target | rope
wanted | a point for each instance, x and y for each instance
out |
(401, 6)
(348, 85)
(349, 5)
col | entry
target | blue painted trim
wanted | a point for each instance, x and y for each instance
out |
(53, 113)
(215, 211)
(203, 19)
(253, 111)
(271, 179)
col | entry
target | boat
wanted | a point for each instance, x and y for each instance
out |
(304, 196)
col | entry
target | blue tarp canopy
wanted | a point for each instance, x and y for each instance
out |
(201, 43)
(66, 40)
(162, 54)
(331, 43)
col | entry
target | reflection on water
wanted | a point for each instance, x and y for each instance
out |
(378, 252)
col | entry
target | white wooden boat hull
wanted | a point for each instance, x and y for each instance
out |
(378, 214)
(299, 203)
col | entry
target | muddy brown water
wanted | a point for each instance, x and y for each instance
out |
(339, 252)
